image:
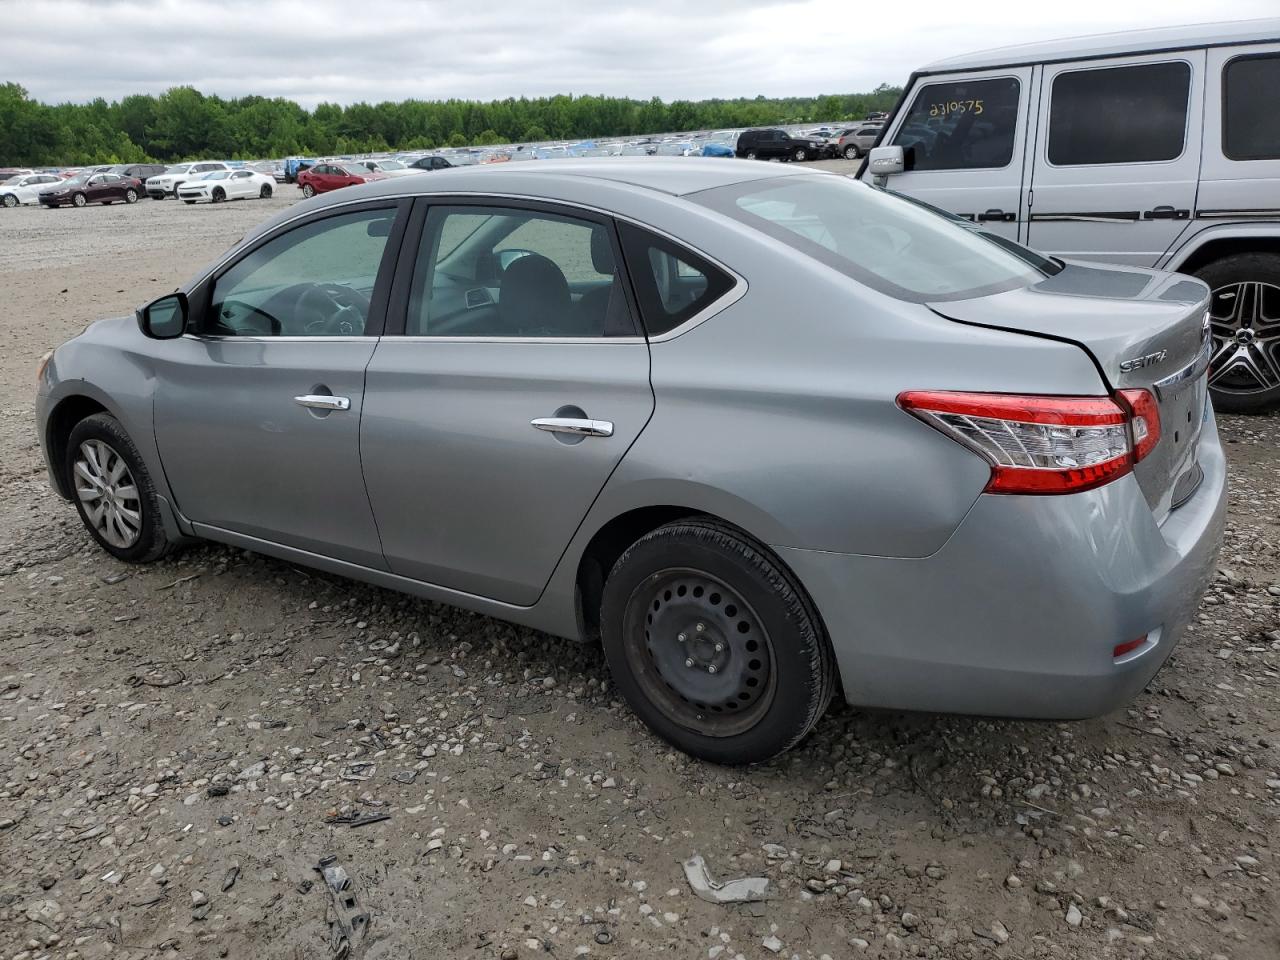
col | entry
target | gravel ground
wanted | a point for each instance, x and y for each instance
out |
(180, 744)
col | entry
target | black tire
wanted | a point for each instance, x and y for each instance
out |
(1237, 389)
(175, 190)
(265, 192)
(219, 195)
(776, 674)
(151, 542)
(80, 200)
(751, 154)
(851, 152)
(800, 155)
(131, 195)
(10, 200)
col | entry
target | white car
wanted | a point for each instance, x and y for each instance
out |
(167, 183)
(25, 188)
(227, 185)
(389, 167)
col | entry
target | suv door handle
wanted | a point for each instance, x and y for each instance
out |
(998, 216)
(323, 401)
(574, 426)
(1166, 213)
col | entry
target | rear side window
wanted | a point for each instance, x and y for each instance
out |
(1134, 114)
(961, 125)
(1250, 120)
(672, 284)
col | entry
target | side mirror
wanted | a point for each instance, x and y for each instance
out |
(883, 162)
(165, 318)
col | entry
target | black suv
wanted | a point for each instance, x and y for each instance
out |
(430, 163)
(770, 144)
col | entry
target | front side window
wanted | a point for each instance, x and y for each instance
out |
(489, 271)
(1135, 114)
(315, 280)
(899, 248)
(672, 284)
(1250, 120)
(961, 125)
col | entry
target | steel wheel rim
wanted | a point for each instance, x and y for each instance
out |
(716, 693)
(108, 494)
(1244, 320)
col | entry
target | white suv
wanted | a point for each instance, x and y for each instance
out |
(167, 183)
(1156, 148)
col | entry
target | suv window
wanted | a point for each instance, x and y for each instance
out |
(490, 271)
(1134, 114)
(315, 280)
(672, 283)
(961, 125)
(1250, 121)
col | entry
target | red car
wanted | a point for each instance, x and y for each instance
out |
(324, 177)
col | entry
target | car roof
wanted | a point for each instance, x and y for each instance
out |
(1153, 40)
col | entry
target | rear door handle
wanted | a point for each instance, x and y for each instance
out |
(574, 426)
(323, 401)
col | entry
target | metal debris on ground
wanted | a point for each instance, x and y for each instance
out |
(742, 890)
(349, 922)
(355, 820)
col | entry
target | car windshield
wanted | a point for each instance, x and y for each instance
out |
(351, 170)
(17, 178)
(216, 175)
(391, 165)
(180, 168)
(899, 248)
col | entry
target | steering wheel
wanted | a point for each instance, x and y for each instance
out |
(331, 309)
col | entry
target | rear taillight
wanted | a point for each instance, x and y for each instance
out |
(1039, 445)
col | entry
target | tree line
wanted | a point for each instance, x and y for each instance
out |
(184, 123)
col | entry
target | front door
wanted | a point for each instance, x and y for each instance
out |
(521, 380)
(1117, 159)
(964, 138)
(257, 410)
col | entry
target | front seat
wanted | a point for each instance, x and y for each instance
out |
(533, 298)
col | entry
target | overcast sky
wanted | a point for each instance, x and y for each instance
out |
(349, 50)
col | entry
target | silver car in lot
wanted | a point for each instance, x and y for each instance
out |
(578, 396)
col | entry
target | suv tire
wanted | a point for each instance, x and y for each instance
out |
(1245, 308)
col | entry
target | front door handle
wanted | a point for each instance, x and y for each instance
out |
(323, 401)
(1166, 213)
(574, 426)
(999, 216)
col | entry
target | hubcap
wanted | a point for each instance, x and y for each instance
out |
(700, 652)
(1245, 324)
(108, 494)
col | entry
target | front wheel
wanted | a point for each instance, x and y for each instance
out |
(113, 491)
(219, 195)
(851, 152)
(265, 192)
(10, 200)
(79, 199)
(714, 644)
(131, 196)
(1244, 318)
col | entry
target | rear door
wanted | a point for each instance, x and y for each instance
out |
(1117, 158)
(964, 140)
(493, 421)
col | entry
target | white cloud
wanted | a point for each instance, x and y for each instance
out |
(346, 50)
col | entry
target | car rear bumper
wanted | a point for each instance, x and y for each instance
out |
(1019, 613)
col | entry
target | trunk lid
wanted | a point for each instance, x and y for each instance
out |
(1143, 328)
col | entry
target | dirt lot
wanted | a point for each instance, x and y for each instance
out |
(176, 740)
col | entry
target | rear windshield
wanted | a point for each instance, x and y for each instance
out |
(894, 246)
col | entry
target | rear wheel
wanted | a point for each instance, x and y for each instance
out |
(1244, 316)
(800, 154)
(851, 152)
(10, 200)
(79, 199)
(113, 491)
(131, 195)
(265, 192)
(308, 190)
(714, 644)
(751, 154)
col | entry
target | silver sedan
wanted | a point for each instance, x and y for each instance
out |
(580, 396)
